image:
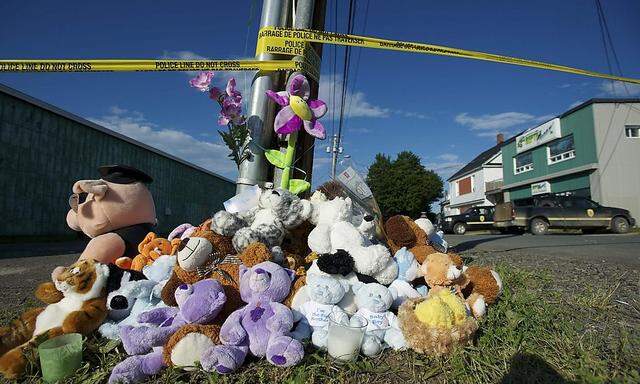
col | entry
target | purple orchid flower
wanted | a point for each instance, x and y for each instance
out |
(298, 111)
(230, 112)
(202, 81)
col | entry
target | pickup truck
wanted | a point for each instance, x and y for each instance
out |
(480, 217)
(538, 214)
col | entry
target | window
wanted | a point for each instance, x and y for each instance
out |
(523, 163)
(464, 186)
(632, 131)
(585, 203)
(561, 150)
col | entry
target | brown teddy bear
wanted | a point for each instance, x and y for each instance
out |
(149, 250)
(206, 254)
(403, 232)
(483, 281)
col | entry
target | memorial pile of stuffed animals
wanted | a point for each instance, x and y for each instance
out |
(261, 282)
(270, 276)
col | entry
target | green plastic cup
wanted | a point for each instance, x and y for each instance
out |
(60, 356)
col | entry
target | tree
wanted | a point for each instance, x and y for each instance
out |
(403, 186)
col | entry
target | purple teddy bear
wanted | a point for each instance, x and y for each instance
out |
(199, 303)
(263, 326)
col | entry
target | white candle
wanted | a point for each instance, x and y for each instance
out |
(344, 340)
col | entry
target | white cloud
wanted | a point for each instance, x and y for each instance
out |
(489, 125)
(208, 155)
(619, 89)
(448, 157)
(356, 104)
(360, 130)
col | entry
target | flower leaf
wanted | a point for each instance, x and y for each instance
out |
(298, 186)
(275, 157)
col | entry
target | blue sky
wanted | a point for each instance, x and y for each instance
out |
(447, 110)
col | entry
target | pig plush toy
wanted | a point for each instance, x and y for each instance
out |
(116, 212)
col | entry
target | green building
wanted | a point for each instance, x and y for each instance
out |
(592, 150)
(45, 150)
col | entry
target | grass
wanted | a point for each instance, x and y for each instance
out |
(534, 334)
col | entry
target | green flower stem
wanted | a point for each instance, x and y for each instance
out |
(288, 160)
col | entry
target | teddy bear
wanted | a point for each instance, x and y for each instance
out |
(263, 326)
(374, 301)
(334, 230)
(436, 324)
(205, 254)
(339, 266)
(135, 295)
(408, 271)
(325, 292)
(483, 281)
(174, 335)
(278, 210)
(76, 304)
(401, 232)
(116, 212)
(150, 248)
(445, 271)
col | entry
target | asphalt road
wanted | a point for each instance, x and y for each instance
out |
(617, 249)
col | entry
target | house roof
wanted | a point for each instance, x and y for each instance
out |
(32, 100)
(479, 160)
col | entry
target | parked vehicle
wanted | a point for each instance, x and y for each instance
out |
(538, 214)
(473, 218)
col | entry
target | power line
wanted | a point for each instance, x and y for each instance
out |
(606, 37)
(334, 49)
(347, 60)
(357, 66)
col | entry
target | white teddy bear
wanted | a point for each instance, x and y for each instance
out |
(278, 210)
(334, 230)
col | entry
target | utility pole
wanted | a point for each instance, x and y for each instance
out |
(255, 170)
(309, 14)
(335, 149)
(261, 110)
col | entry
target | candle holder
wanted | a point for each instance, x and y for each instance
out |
(60, 356)
(344, 340)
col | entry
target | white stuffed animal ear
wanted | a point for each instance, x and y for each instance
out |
(345, 284)
(453, 272)
(355, 287)
(394, 292)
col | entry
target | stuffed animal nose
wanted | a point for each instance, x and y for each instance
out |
(119, 302)
(183, 243)
(368, 218)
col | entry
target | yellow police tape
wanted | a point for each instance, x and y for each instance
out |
(290, 41)
(109, 65)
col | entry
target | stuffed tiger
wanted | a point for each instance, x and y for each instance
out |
(76, 304)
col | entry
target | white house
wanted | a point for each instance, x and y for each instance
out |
(477, 183)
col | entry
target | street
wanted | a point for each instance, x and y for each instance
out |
(598, 248)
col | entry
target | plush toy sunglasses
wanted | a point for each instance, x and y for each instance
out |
(76, 199)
